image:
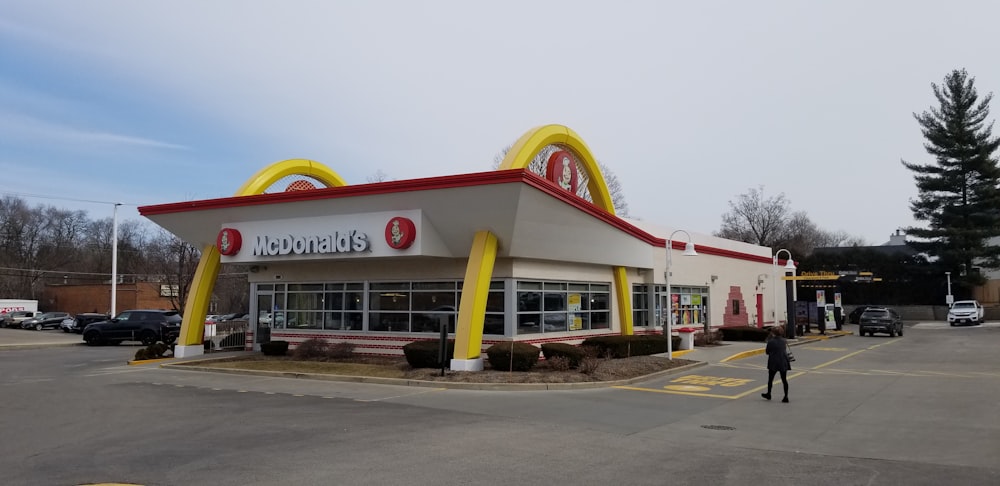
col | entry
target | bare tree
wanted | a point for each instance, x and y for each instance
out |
(172, 261)
(770, 222)
(378, 176)
(752, 218)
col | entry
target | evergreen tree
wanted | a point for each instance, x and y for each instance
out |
(958, 194)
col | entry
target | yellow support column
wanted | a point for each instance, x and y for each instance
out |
(190, 342)
(472, 308)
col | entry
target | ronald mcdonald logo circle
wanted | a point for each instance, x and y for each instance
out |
(229, 241)
(400, 233)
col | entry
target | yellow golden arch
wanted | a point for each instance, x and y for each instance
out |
(475, 288)
(478, 272)
(203, 283)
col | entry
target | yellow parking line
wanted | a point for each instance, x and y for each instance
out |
(706, 395)
(828, 363)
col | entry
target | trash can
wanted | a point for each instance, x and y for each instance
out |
(687, 337)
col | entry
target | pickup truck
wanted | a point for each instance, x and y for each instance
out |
(965, 312)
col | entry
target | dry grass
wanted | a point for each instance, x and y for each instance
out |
(392, 367)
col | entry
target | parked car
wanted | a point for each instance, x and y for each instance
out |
(80, 321)
(855, 316)
(14, 319)
(965, 312)
(880, 319)
(45, 320)
(145, 326)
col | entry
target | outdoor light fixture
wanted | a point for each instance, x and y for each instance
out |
(668, 327)
(789, 270)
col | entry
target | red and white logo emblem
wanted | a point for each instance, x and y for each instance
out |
(400, 233)
(229, 241)
(561, 169)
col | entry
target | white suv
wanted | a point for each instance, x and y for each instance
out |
(965, 311)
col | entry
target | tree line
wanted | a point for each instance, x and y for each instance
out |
(43, 244)
(958, 201)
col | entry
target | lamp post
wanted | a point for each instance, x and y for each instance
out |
(669, 314)
(949, 299)
(789, 271)
(114, 260)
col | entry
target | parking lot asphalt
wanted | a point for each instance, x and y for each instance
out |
(28, 338)
(912, 410)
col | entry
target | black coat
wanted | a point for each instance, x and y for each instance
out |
(777, 354)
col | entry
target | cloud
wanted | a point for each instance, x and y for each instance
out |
(17, 128)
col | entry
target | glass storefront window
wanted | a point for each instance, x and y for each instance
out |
(562, 307)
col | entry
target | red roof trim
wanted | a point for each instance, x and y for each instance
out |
(377, 188)
(444, 182)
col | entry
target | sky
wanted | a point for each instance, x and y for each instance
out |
(689, 104)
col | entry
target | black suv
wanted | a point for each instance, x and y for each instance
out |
(880, 319)
(81, 321)
(145, 326)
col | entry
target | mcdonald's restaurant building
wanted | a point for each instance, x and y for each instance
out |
(496, 256)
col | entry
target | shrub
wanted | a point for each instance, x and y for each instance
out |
(274, 348)
(157, 350)
(573, 354)
(708, 338)
(312, 349)
(589, 365)
(341, 350)
(424, 354)
(558, 363)
(626, 346)
(153, 351)
(512, 356)
(744, 333)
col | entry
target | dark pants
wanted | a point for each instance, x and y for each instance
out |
(784, 380)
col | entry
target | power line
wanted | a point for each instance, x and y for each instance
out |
(43, 196)
(64, 272)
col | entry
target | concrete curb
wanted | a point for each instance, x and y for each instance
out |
(12, 347)
(437, 384)
(133, 362)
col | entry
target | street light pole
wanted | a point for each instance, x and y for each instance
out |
(949, 299)
(114, 260)
(789, 305)
(669, 314)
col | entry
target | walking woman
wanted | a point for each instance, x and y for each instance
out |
(777, 360)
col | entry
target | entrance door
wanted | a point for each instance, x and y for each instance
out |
(264, 317)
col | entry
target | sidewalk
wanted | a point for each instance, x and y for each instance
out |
(734, 350)
(27, 339)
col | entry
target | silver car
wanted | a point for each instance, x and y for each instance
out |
(45, 320)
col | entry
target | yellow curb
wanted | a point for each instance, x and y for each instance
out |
(801, 340)
(682, 352)
(148, 361)
(744, 354)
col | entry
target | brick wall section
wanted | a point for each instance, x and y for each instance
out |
(77, 299)
(742, 317)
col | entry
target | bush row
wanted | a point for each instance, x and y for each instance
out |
(153, 351)
(744, 333)
(626, 346)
